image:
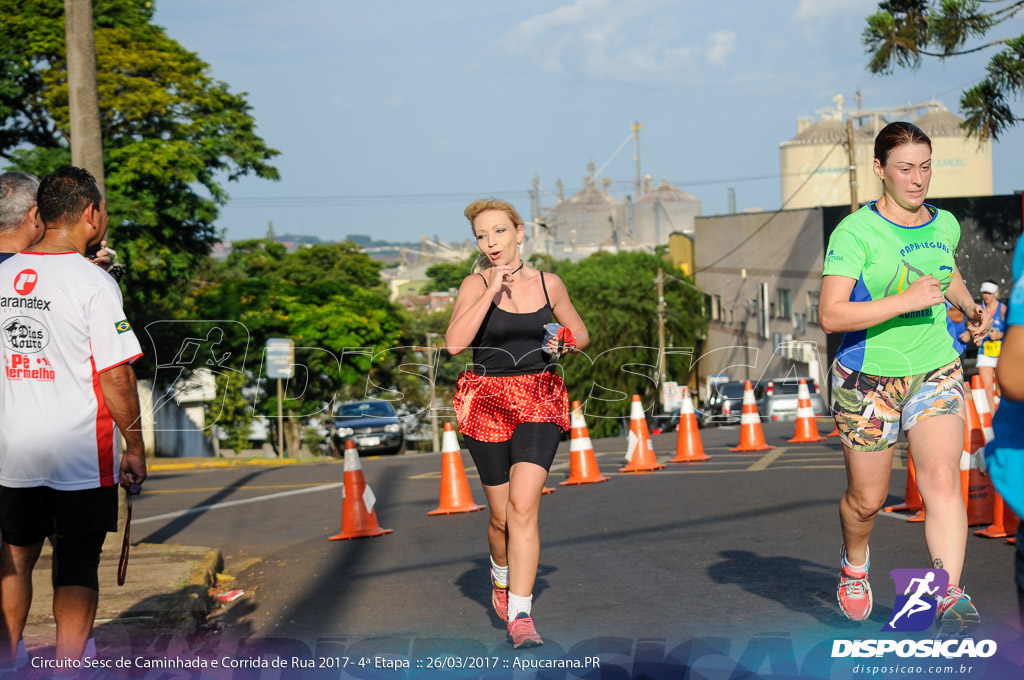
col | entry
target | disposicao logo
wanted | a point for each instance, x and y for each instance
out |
(915, 607)
(917, 594)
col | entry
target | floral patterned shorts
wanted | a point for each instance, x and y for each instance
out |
(868, 408)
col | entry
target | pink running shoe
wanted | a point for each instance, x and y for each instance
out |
(854, 592)
(499, 600)
(955, 613)
(522, 633)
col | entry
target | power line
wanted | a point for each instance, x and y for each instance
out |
(346, 200)
(775, 213)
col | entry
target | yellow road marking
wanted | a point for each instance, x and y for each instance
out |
(767, 459)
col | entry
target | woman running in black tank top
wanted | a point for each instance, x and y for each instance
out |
(509, 408)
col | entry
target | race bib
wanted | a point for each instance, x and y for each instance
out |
(991, 348)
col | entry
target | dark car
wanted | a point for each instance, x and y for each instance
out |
(725, 403)
(372, 425)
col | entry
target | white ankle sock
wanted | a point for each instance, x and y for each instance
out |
(518, 603)
(499, 574)
(862, 567)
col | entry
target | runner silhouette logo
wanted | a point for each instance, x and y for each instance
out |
(917, 591)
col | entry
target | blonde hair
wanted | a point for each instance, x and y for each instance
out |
(474, 209)
(478, 206)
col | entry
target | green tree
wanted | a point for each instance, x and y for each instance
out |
(328, 299)
(446, 275)
(616, 297)
(904, 31)
(172, 135)
(232, 412)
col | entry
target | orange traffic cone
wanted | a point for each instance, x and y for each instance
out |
(455, 493)
(358, 519)
(689, 448)
(911, 497)
(981, 403)
(976, 487)
(582, 463)
(1004, 521)
(834, 432)
(546, 490)
(806, 425)
(751, 434)
(639, 449)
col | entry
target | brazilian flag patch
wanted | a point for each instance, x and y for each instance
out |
(122, 326)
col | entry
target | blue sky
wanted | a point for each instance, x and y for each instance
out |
(391, 116)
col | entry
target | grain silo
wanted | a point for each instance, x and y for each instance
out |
(661, 211)
(960, 165)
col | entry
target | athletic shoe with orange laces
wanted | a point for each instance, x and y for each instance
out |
(499, 600)
(955, 613)
(854, 592)
(522, 633)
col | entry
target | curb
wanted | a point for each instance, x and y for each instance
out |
(197, 589)
(220, 463)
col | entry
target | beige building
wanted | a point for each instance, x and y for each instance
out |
(762, 275)
(815, 163)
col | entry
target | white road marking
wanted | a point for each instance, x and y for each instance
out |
(229, 504)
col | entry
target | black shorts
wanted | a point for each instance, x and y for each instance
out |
(29, 515)
(530, 443)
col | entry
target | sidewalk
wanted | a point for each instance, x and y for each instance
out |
(165, 596)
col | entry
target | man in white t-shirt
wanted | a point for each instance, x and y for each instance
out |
(67, 387)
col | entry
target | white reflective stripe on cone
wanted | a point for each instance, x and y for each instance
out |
(965, 461)
(449, 441)
(580, 444)
(805, 412)
(631, 445)
(687, 403)
(369, 500)
(749, 419)
(748, 398)
(352, 461)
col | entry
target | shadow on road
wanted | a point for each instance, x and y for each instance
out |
(475, 586)
(799, 585)
(175, 526)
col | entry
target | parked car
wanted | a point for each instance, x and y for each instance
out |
(781, 400)
(725, 403)
(372, 425)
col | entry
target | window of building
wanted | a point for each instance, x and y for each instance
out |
(785, 309)
(812, 306)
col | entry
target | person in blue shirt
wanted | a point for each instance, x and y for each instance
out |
(1005, 453)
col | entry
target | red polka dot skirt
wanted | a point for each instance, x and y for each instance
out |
(488, 408)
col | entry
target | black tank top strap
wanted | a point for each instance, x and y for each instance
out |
(544, 286)
(482, 277)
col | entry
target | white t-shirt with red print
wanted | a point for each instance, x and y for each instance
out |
(62, 323)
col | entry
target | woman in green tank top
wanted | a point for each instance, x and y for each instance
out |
(889, 268)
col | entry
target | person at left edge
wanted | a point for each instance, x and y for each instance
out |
(67, 388)
(19, 222)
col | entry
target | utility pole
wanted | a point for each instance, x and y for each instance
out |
(854, 203)
(637, 127)
(660, 281)
(433, 394)
(83, 100)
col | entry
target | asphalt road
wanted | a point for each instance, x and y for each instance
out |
(741, 545)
